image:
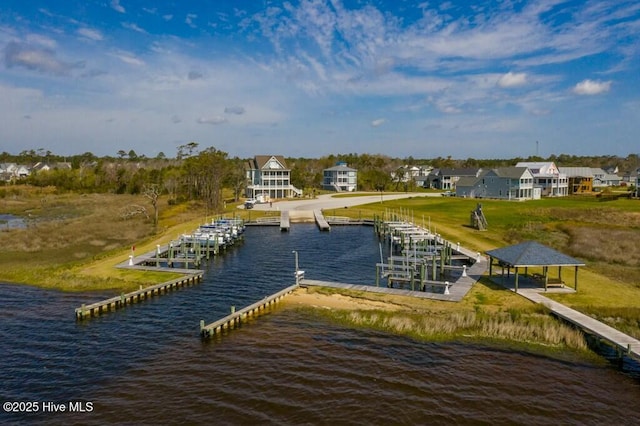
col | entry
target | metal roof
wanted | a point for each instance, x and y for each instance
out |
(532, 253)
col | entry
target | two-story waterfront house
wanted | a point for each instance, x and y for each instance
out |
(507, 183)
(269, 178)
(548, 177)
(340, 178)
(580, 179)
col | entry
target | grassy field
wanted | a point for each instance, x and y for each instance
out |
(72, 242)
(604, 235)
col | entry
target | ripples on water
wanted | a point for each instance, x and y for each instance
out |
(146, 364)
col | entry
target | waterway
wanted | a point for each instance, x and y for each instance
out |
(147, 365)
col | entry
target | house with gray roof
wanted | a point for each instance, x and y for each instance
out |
(268, 177)
(580, 179)
(602, 179)
(340, 178)
(447, 178)
(505, 183)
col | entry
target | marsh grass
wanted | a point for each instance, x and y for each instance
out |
(486, 313)
(69, 235)
(528, 327)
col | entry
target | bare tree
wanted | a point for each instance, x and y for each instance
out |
(152, 192)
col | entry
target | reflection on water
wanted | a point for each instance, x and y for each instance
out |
(146, 364)
(9, 221)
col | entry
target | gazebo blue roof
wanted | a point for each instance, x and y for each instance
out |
(532, 253)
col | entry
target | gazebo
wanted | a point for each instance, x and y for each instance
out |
(533, 254)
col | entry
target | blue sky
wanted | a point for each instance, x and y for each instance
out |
(310, 78)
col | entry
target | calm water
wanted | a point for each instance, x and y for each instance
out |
(146, 364)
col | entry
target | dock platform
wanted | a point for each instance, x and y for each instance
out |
(237, 317)
(284, 221)
(322, 223)
(117, 302)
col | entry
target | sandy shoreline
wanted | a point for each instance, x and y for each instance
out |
(304, 297)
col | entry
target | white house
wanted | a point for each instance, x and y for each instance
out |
(548, 177)
(268, 177)
(13, 171)
(340, 178)
(507, 183)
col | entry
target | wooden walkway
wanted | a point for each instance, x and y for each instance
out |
(625, 344)
(117, 302)
(237, 317)
(321, 221)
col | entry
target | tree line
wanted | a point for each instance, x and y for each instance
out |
(208, 174)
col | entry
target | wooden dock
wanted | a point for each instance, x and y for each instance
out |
(238, 317)
(624, 344)
(95, 309)
(453, 291)
(321, 221)
(284, 220)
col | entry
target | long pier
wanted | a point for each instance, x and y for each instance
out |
(238, 317)
(117, 302)
(623, 343)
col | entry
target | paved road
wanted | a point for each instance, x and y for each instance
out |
(329, 201)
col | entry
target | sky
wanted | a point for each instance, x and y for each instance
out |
(426, 79)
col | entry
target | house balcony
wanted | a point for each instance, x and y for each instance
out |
(273, 191)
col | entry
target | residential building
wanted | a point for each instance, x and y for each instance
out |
(340, 178)
(580, 179)
(603, 179)
(447, 178)
(408, 173)
(546, 175)
(13, 171)
(507, 183)
(268, 177)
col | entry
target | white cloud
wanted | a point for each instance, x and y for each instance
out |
(512, 79)
(115, 5)
(378, 122)
(591, 87)
(91, 34)
(129, 58)
(215, 120)
(134, 27)
(449, 109)
(189, 20)
(37, 39)
(36, 59)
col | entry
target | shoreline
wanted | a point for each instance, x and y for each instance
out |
(396, 315)
(303, 297)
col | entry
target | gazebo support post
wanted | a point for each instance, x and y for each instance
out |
(575, 280)
(516, 268)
